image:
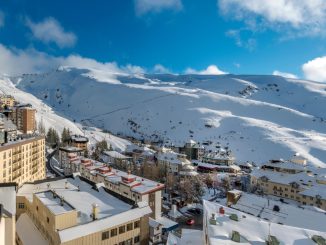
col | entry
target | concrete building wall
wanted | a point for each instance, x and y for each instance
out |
(23, 161)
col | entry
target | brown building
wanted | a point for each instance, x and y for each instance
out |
(74, 211)
(26, 119)
(22, 160)
(79, 141)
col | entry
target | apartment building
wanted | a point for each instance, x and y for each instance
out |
(73, 211)
(288, 179)
(7, 213)
(7, 100)
(22, 160)
(24, 118)
(79, 141)
(132, 187)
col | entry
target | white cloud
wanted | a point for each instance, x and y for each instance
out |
(285, 74)
(158, 68)
(51, 31)
(210, 70)
(248, 43)
(315, 69)
(295, 17)
(16, 62)
(2, 19)
(146, 6)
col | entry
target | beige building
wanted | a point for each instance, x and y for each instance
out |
(290, 180)
(131, 188)
(7, 100)
(74, 211)
(7, 213)
(22, 160)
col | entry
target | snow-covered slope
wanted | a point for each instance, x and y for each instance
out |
(51, 118)
(258, 117)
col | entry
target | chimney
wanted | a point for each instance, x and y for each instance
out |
(95, 211)
(78, 188)
(66, 185)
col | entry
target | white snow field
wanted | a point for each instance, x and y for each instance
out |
(257, 117)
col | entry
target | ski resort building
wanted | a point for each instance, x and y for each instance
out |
(290, 180)
(223, 225)
(22, 160)
(131, 188)
(73, 211)
(7, 100)
(79, 141)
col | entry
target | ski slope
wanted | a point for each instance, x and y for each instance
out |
(257, 117)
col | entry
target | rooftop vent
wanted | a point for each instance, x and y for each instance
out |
(272, 240)
(234, 217)
(319, 239)
(212, 220)
(235, 236)
(95, 211)
(62, 201)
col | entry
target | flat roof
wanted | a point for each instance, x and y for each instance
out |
(252, 230)
(139, 184)
(81, 201)
(287, 214)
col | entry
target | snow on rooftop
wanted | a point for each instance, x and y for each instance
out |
(316, 190)
(287, 214)
(115, 154)
(138, 184)
(28, 233)
(81, 201)
(252, 230)
(283, 178)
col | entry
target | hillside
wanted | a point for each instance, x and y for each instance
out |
(257, 117)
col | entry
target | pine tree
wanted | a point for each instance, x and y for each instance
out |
(65, 136)
(41, 127)
(52, 136)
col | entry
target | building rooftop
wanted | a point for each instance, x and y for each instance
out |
(117, 155)
(70, 149)
(79, 138)
(81, 201)
(301, 178)
(287, 214)
(249, 229)
(81, 196)
(137, 184)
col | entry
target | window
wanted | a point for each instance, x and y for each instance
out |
(105, 235)
(36, 208)
(136, 224)
(21, 205)
(122, 229)
(47, 219)
(114, 232)
(128, 242)
(136, 239)
(129, 227)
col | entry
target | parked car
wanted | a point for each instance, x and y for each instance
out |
(194, 211)
(190, 222)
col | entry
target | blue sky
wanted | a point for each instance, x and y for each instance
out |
(180, 36)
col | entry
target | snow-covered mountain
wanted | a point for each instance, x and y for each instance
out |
(258, 117)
